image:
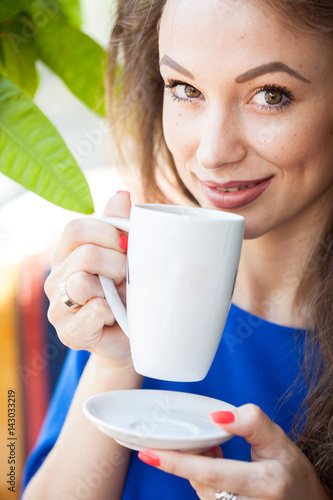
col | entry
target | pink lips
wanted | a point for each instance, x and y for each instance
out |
(234, 199)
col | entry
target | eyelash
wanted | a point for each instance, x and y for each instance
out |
(282, 90)
(171, 84)
(174, 83)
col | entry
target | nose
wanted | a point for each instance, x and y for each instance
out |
(222, 141)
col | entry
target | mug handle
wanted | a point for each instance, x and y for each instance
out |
(109, 288)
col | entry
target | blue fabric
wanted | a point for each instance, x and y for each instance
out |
(257, 362)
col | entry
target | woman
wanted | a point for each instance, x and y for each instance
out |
(227, 105)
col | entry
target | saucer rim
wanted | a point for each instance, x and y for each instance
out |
(185, 443)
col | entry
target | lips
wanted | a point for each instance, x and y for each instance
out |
(234, 194)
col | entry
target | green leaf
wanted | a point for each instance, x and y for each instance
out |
(71, 10)
(76, 58)
(8, 8)
(33, 153)
(18, 56)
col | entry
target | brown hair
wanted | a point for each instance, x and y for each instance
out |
(135, 97)
(135, 110)
(313, 425)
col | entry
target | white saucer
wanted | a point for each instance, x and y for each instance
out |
(143, 419)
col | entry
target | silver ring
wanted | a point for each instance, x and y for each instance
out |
(224, 495)
(66, 299)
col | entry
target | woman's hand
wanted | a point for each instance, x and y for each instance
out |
(278, 471)
(89, 247)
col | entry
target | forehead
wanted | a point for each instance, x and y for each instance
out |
(223, 33)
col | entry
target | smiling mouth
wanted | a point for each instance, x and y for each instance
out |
(234, 194)
(233, 190)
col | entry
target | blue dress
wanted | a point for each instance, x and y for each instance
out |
(257, 362)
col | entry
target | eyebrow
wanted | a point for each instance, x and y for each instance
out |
(268, 68)
(168, 61)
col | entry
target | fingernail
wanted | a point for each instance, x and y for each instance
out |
(126, 192)
(222, 417)
(149, 458)
(123, 242)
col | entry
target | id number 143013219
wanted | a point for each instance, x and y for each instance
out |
(11, 440)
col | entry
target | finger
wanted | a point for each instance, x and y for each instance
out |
(84, 330)
(119, 205)
(93, 259)
(218, 453)
(206, 493)
(214, 452)
(211, 452)
(267, 439)
(83, 286)
(216, 474)
(80, 231)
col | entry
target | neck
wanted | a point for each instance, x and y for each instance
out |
(271, 270)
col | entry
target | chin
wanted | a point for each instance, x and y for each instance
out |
(254, 230)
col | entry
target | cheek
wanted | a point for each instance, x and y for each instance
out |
(272, 140)
(179, 136)
(290, 145)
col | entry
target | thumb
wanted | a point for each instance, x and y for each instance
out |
(119, 205)
(267, 439)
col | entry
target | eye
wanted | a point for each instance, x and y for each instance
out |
(187, 91)
(272, 97)
(182, 91)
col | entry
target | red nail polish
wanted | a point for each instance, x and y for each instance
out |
(222, 417)
(123, 242)
(126, 192)
(149, 458)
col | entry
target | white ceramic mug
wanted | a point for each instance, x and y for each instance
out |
(181, 270)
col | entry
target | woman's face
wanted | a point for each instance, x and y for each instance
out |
(248, 111)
